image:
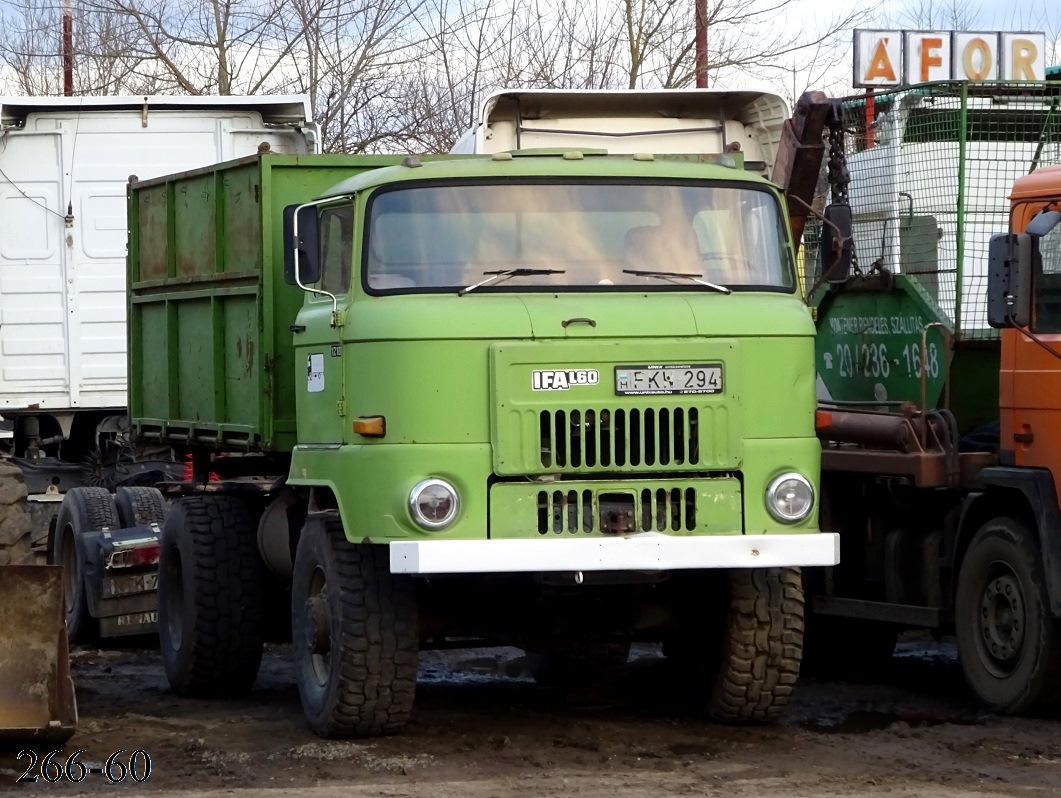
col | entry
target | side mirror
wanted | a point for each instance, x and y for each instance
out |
(1043, 223)
(1009, 296)
(837, 245)
(307, 245)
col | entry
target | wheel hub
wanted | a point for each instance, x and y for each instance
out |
(1002, 620)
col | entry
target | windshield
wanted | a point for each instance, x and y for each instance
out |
(449, 237)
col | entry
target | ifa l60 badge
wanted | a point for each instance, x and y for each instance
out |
(562, 380)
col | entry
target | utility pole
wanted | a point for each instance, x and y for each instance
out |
(701, 44)
(68, 50)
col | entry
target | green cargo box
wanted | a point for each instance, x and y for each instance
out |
(211, 361)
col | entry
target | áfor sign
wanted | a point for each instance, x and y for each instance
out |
(897, 58)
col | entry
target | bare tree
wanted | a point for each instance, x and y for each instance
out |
(203, 46)
(104, 59)
(1042, 17)
(350, 56)
(400, 75)
(749, 38)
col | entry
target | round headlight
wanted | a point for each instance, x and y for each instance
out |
(433, 504)
(789, 498)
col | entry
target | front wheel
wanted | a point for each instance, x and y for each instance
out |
(354, 634)
(740, 642)
(1008, 642)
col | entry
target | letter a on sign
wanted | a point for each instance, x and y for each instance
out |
(878, 55)
(880, 66)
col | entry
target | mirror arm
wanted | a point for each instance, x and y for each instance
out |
(298, 275)
(838, 244)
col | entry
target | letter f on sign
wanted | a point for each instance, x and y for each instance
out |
(930, 55)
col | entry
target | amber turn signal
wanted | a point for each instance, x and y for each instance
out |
(823, 419)
(371, 426)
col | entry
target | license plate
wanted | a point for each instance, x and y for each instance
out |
(130, 584)
(649, 380)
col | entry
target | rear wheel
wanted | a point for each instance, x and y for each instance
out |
(210, 590)
(354, 633)
(139, 506)
(15, 524)
(82, 510)
(1008, 642)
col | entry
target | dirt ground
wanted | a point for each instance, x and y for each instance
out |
(483, 729)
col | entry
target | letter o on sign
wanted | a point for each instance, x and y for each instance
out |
(977, 59)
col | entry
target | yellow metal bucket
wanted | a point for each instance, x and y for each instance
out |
(36, 692)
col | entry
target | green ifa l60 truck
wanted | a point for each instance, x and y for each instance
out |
(552, 398)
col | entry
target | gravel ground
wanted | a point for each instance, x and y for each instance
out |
(483, 729)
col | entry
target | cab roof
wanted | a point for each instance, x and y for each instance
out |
(274, 109)
(517, 165)
(1044, 182)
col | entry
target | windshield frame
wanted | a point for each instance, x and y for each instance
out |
(788, 262)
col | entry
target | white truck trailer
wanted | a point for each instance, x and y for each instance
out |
(64, 166)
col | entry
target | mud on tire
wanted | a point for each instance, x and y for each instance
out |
(15, 524)
(738, 642)
(210, 593)
(762, 648)
(83, 509)
(354, 634)
(139, 506)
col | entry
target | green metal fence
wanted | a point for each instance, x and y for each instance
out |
(931, 170)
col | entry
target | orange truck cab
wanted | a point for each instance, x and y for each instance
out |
(1030, 378)
(1010, 581)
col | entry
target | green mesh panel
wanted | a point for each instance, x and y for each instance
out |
(931, 170)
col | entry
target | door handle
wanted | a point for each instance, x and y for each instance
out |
(297, 328)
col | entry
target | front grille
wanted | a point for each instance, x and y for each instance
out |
(618, 512)
(630, 437)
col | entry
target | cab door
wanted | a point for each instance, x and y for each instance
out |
(1031, 370)
(319, 383)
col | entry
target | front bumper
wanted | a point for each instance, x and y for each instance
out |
(645, 552)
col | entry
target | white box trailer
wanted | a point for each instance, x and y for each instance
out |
(64, 165)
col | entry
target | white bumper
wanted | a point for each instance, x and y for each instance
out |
(645, 552)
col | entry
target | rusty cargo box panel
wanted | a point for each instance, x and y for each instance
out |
(210, 350)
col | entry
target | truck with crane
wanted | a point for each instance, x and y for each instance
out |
(937, 360)
(521, 395)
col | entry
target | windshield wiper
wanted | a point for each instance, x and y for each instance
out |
(696, 278)
(505, 274)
